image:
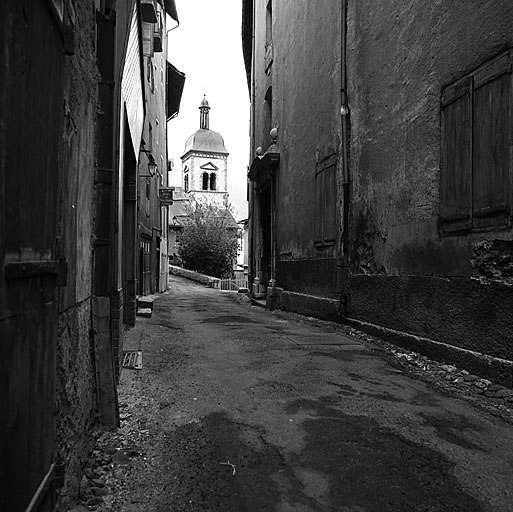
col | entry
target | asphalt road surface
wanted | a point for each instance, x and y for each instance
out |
(239, 409)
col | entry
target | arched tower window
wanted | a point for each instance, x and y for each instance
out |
(213, 180)
(205, 180)
(186, 183)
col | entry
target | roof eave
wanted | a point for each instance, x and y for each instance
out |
(185, 155)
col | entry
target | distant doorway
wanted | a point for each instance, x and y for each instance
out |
(266, 227)
(145, 266)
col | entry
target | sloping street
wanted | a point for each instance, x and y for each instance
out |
(239, 409)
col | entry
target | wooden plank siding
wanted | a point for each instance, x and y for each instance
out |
(132, 84)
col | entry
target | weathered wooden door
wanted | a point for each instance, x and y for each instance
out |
(31, 111)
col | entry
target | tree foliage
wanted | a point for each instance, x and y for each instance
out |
(208, 243)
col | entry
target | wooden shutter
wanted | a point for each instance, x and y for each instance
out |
(491, 143)
(326, 202)
(147, 39)
(455, 185)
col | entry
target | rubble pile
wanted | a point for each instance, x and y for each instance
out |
(118, 455)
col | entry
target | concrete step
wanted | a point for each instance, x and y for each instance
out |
(144, 312)
(145, 302)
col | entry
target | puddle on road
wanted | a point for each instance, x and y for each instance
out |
(227, 319)
(424, 399)
(452, 428)
(386, 397)
(372, 467)
(343, 355)
(168, 325)
(347, 390)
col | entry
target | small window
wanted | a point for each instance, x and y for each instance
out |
(476, 148)
(268, 58)
(147, 40)
(213, 180)
(326, 202)
(269, 23)
(186, 183)
(147, 201)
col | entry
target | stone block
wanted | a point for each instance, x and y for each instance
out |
(145, 303)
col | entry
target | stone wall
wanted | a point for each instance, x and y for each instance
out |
(75, 397)
(193, 276)
(75, 369)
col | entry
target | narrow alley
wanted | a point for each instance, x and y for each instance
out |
(350, 161)
(239, 409)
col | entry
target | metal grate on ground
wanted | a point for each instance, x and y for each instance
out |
(132, 359)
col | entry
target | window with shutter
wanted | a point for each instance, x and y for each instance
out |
(147, 39)
(326, 202)
(476, 148)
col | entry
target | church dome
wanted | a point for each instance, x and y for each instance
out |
(207, 141)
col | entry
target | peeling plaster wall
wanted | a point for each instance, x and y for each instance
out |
(400, 56)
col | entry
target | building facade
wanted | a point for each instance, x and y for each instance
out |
(205, 162)
(71, 126)
(395, 147)
(152, 219)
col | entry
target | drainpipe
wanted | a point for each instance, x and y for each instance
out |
(251, 185)
(344, 114)
(272, 282)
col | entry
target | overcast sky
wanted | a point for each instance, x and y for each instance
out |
(207, 47)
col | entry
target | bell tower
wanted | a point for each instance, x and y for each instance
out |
(204, 162)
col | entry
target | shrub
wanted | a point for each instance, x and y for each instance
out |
(209, 241)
